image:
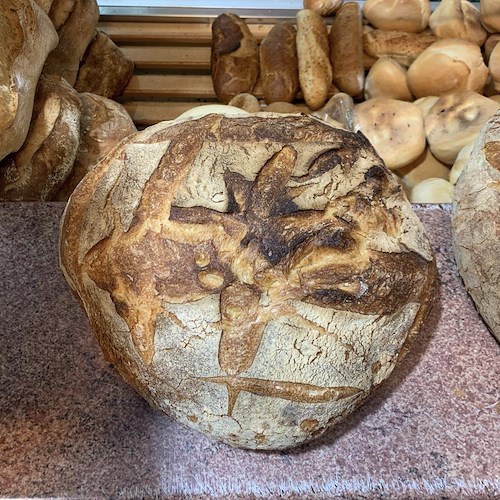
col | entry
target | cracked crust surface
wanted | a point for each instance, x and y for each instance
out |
(254, 276)
(476, 224)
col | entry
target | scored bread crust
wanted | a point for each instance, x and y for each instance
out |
(476, 224)
(255, 276)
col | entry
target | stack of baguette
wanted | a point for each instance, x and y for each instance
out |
(57, 78)
(419, 84)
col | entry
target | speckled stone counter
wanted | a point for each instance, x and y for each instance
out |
(70, 427)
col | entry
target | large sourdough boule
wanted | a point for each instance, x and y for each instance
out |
(476, 224)
(255, 276)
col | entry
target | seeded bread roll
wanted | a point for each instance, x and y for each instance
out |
(75, 35)
(103, 124)
(476, 224)
(254, 276)
(234, 57)
(279, 70)
(346, 50)
(26, 38)
(105, 70)
(39, 168)
(399, 45)
(315, 71)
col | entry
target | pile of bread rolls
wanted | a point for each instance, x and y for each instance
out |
(57, 78)
(418, 83)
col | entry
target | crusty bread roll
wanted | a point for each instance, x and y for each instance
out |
(26, 38)
(103, 124)
(457, 19)
(424, 167)
(395, 128)
(425, 103)
(432, 190)
(490, 15)
(455, 120)
(476, 224)
(39, 168)
(460, 162)
(257, 263)
(323, 7)
(494, 67)
(387, 78)
(403, 15)
(315, 70)
(74, 37)
(399, 45)
(490, 43)
(286, 107)
(279, 67)
(448, 65)
(346, 50)
(105, 70)
(248, 102)
(234, 58)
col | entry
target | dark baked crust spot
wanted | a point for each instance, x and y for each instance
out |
(492, 154)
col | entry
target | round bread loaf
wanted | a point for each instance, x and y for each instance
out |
(255, 276)
(476, 224)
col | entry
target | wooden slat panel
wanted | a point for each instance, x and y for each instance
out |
(170, 33)
(151, 112)
(170, 86)
(161, 57)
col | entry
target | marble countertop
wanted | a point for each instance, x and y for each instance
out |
(70, 427)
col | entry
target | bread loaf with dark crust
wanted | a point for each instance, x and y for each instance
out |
(26, 38)
(279, 70)
(255, 276)
(234, 58)
(105, 70)
(399, 45)
(346, 49)
(315, 70)
(103, 124)
(476, 224)
(39, 168)
(75, 35)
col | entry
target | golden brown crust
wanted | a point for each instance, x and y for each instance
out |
(279, 70)
(105, 70)
(74, 38)
(346, 50)
(234, 57)
(241, 235)
(103, 124)
(26, 38)
(39, 168)
(315, 70)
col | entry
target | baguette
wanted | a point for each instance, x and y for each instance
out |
(315, 70)
(234, 60)
(279, 71)
(346, 49)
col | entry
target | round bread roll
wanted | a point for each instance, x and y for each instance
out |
(323, 7)
(455, 120)
(103, 123)
(490, 15)
(247, 102)
(40, 167)
(425, 103)
(494, 67)
(432, 190)
(476, 224)
(462, 158)
(395, 128)
(448, 65)
(254, 276)
(424, 167)
(387, 78)
(405, 15)
(457, 19)
(490, 44)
